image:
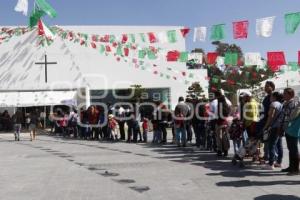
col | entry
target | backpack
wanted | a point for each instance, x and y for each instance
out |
(226, 109)
(293, 128)
(236, 130)
(73, 121)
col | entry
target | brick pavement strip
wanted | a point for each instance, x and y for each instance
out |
(56, 168)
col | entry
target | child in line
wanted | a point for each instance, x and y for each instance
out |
(112, 125)
(145, 129)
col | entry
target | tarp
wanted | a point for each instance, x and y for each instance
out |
(41, 98)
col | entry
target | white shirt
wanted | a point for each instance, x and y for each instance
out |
(213, 107)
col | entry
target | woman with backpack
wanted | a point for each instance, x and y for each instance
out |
(223, 112)
(289, 106)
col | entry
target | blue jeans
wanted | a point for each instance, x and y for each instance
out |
(181, 135)
(275, 146)
(17, 131)
(236, 145)
(156, 136)
(244, 138)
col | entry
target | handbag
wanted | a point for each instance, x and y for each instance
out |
(266, 134)
(293, 128)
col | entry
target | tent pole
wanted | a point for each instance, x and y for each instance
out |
(45, 116)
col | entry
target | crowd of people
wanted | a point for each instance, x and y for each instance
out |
(256, 129)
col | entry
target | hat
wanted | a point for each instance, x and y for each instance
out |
(110, 116)
(246, 93)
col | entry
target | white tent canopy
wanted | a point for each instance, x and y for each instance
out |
(40, 98)
(81, 67)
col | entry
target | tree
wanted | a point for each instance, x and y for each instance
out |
(137, 91)
(222, 48)
(235, 77)
(195, 92)
(192, 64)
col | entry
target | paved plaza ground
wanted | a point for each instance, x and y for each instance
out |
(56, 169)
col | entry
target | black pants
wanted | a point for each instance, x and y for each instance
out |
(292, 145)
(163, 129)
(122, 130)
(94, 133)
(199, 130)
(129, 133)
(101, 133)
(105, 132)
(189, 132)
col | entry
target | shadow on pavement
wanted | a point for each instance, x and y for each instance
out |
(277, 197)
(209, 160)
(248, 183)
(196, 157)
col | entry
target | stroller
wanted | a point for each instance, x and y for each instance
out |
(251, 149)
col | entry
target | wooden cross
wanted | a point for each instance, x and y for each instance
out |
(46, 63)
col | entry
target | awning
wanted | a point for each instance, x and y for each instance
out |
(44, 98)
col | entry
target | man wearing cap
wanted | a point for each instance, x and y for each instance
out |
(250, 113)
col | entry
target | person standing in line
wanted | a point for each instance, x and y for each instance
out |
(213, 118)
(112, 127)
(275, 137)
(27, 120)
(266, 103)
(102, 123)
(156, 130)
(120, 114)
(18, 120)
(162, 114)
(290, 103)
(198, 123)
(145, 126)
(181, 112)
(93, 123)
(6, 121)
(34, 120)
(129, 122)
(188, 122)
(84, 119)
(223, 111)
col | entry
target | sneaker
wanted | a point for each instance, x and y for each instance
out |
(276, 165)
(219, 153)
(269, 167)
(225, 153)
(285, 170)
(196, 148)
(293, 173)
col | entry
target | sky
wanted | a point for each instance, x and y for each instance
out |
(189, 13)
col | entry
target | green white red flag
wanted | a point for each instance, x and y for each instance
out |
(45, 31)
